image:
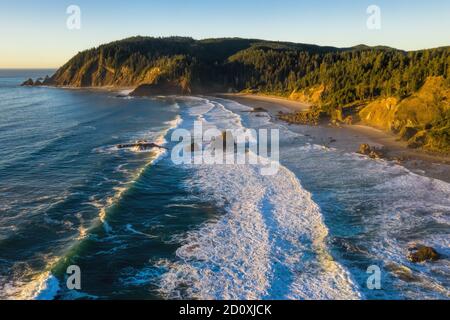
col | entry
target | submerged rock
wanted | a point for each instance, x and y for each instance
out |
(418, 253)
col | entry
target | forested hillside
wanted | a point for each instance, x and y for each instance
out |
(142, 60)
(337, 81)
(348, 74)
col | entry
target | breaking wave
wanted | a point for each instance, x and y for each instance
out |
(270, 243)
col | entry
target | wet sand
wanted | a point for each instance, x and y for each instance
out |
(348, 138)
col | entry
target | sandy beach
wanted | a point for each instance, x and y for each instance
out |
(349, 138)
(272, 104)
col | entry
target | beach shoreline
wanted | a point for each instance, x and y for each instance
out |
(272, 102)
(348, 138)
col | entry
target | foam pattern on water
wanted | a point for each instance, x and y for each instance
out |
(270, 243)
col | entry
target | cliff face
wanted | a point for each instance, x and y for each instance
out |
(380, 114)
(313, 95)
(423, 119)
(97, 68)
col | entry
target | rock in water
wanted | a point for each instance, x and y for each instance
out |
(258, 109)
(375, 154)
(364, 149)
(39, 82)
(402, 272)
(420, 253)
(367, 150)
(29, 82)
(140, 145)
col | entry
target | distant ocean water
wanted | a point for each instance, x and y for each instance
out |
(141, 227)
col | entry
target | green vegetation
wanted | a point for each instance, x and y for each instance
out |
(201, 64)
(339, 82)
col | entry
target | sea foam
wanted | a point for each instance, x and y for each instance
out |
(270, 242)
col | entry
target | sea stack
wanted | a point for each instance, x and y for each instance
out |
(28, 82)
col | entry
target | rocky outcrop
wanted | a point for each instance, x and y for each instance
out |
(380, 113)
(371, 152)
(310, 117)
(165, 88)
(140, 145)
(311, 95)
(28, 82)
(364, 149)
(418, 253)
(257, 110)
(402, 272)
(348, 120)
(38, 82)
(137, 61)
(422, 119)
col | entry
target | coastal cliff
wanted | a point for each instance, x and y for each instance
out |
(422, 119)
(181, 64)
(402, 92)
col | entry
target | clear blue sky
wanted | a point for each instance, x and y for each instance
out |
(34, 33)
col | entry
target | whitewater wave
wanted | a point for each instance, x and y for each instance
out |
(32, 286)
(269, 244)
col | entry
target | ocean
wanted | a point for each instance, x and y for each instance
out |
(141, 227)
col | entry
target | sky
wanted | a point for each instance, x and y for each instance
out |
(34, 34)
